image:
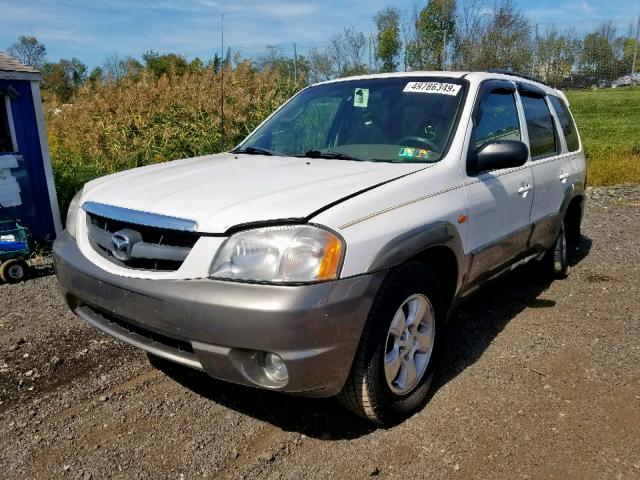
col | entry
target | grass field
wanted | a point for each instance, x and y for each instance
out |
(609, 124)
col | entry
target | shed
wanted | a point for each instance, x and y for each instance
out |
(27, 189)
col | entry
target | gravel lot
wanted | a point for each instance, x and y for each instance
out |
(538, 381)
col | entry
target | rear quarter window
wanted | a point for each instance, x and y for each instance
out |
(542, 133)
(566, 122)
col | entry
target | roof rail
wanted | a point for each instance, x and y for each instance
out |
(504, 71)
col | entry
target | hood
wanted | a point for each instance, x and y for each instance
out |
(224, 190)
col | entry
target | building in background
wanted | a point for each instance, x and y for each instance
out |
(27, 190)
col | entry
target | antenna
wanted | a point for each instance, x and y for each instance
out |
(223, 61)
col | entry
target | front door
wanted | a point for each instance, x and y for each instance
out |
(499, 200)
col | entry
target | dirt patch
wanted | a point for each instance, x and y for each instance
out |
(537, 381)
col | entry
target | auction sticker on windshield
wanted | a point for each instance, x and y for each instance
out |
(433, 87)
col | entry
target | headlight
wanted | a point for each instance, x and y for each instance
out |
(300, 253)
(72, 214)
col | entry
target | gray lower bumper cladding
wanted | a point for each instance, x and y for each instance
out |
(224, 328)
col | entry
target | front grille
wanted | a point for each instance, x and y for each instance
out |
(155, 249)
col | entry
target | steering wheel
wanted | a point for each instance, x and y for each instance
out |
(415, 139)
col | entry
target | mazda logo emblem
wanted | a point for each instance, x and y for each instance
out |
(123, 242)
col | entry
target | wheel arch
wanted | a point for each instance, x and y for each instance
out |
(437, 245)
(573, 219)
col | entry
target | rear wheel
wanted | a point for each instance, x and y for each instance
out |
(556, 260)
(14, 271)
(393, 368)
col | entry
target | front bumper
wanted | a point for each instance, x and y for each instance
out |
(222, 327)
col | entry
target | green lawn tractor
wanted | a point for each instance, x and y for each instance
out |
(14, 248)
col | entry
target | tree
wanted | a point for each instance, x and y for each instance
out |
(435, 29)
(470, 28)
(196, 65)
(321, 67)
(602, 54)
(114, 67)
(389, 44)
(29, 51)
(166, 64)
(286, 66)
(96, 75)
(215, 63)
(347, 52)
(556, 55)
(64, 77)
(505, 41)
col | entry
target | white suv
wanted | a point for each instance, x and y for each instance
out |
(324, 254)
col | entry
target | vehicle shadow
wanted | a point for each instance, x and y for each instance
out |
(40, 270)
(471, 330)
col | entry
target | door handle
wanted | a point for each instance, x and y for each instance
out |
(563, 176)
(524, 189)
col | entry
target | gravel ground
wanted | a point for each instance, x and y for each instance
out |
(538, 381)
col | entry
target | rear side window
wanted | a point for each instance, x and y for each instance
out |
(496, 118)
(566, 122)
(542, 134)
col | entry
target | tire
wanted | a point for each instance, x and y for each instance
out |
(14, 271)
(372, 391)
(556, 262)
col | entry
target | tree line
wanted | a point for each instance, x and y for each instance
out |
(440, 35)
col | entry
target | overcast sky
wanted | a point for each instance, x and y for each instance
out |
(93, 30)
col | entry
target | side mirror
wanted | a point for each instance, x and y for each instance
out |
(500, 154)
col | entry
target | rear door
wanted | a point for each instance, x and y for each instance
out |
(499, 200)
(551, 165)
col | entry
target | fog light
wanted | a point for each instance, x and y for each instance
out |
(275, 367)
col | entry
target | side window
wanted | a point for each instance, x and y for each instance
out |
(6, 145)
(566, 122)
(542, 133)
(496, 118)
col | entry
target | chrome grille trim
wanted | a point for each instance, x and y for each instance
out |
(138, 217)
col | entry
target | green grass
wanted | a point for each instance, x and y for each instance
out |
(609, 125)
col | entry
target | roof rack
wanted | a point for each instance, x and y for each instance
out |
(504, 71)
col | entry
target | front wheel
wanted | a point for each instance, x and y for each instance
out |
(393, 368)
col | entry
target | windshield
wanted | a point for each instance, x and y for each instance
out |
(407, 119)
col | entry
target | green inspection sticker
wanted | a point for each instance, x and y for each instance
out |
(410, 152)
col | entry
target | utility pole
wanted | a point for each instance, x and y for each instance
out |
(535, 53)
(370, 40)
(635, 52)
(295, 63)
(222, 80)
(444, 49)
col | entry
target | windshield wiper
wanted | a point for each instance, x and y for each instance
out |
(254, 151)
(330, 155)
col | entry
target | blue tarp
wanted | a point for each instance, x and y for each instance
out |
(13, 246)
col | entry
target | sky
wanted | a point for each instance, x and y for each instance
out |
(94, 30)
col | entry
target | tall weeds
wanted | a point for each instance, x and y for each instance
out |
(140, 120)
